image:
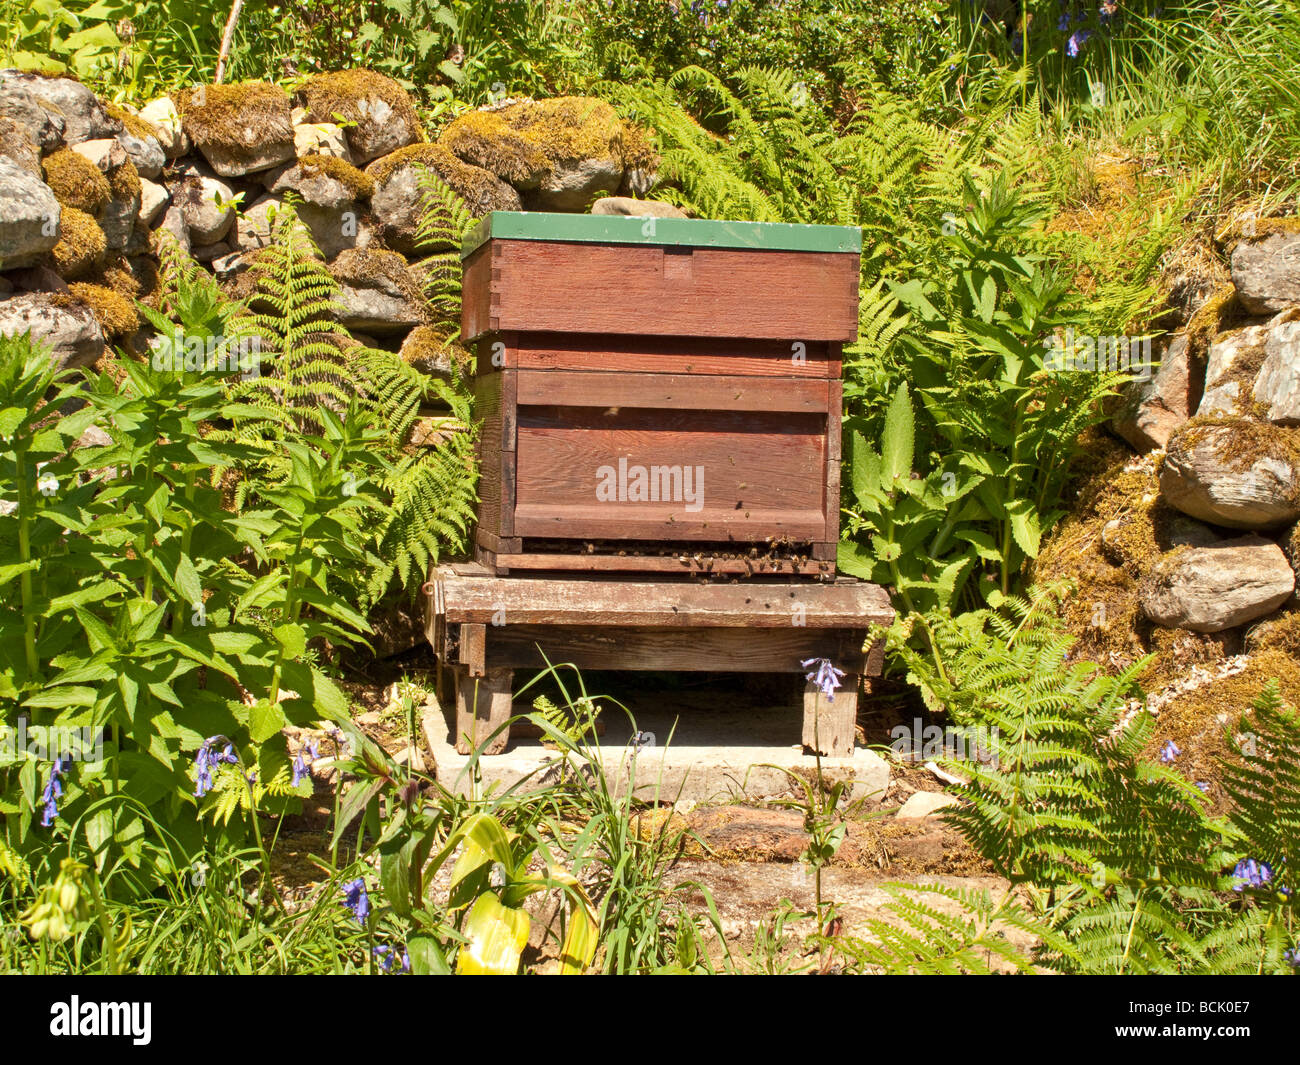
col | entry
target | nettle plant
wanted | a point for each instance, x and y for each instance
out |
(143, 607)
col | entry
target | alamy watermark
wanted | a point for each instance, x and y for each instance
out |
(924, 743)
(651, 484)
(178, 353)
(1090, 354)
(45, 743)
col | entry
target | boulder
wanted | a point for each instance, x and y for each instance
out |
(162, 115)
(42, 125)
(1209, 589)
(117, 216)
(252, 229)
(29, 217)
(204, 205)
(173, 227)
(69, 329)
(1152, 409)
(332, 192)
(379, 114)
(925, 804)
(428, 352)
(321, 138)
(378, 294)
(18, 148)
(84, 117)
(240, 129)
(1233, 360)
(1238, 473)
(153, 201)
(81, 245)
(397, 202)
(629, 206)
(1278, 383)
(141, 142)
(1266, 271)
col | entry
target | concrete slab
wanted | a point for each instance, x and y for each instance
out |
(708, 747)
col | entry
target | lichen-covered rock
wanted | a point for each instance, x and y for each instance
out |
(428, 352)
(81, 245)
(631, 207)
(84, 117)
(140, 140)
(29, 217)
(252, 229)
(1209, 589)
(1277, 384)
(240, 129)
(1266, 271)
(162, 116)
(76, 181)
(68, 328)
(321, 138)
(380, 115)
(1233, 360)
(332, 193)
(43, 126)
(1151, 409)
(117, 216)
(1238, 473)
(397, 201)
(18, 148)
(560, 152)
(378, 293)
(114, 312)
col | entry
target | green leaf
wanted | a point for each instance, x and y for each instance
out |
(896, 447)
(265, 720)
(497, 937)
(1025, 529)
(427, 957)
(292, 640)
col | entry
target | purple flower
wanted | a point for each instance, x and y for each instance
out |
(1250, 873)
(1077, 40)
(1063, 23)
(206, 759)
(1017, 42)
(1169, 752)
(357, 900)
(1292, 957)
(1203, 786)
(387, 958)
(307, 754)
(825, 675)
(53, 792)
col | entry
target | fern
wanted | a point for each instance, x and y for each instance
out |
(445, 222)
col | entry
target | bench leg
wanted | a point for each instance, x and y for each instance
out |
(828, 724)
(483, 705)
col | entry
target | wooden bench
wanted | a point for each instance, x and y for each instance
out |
(483, 627)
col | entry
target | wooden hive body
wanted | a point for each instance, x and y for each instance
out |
(659, 396)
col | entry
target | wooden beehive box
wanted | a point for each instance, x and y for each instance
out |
(659, 395)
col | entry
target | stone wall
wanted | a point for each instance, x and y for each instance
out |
(88, 190)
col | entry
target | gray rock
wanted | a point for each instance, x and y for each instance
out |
(329, 208)
(379, 130)
(1231, 364)
(1278, 383)
(1242, 476)
(396, 203)
(29, 217)
(117, 217)
(570, 184)
(1209, 589)
(173, 227)
(18, 148)
(207, 253)
(320, 138)
(71, 333)
(42, 125)
(1154, 408)
(377, 293)
(925, 804)
(84, 117)
(145, 152)
(628, 206)
(197, 197)
(1267, 272)
(153, 201)
(163, 116)
(252, 229)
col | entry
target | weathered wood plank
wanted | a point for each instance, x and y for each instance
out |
(675, 355)
(671, 391)
(829, 721)
(584, 562)
(525, 601)
(736, 650)
(483, 704)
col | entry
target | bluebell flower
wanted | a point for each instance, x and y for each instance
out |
(384, 955)
(357, 900)
(307, 754)
(53, 792)
(824, 675)
(1017, 42)
(1203, 786)
(1250, 873)
(206, 759)
(1063, 23)
(1292, 957)
(1169, 752)
(1077, 40)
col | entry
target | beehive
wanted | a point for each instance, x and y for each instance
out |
(659, 395)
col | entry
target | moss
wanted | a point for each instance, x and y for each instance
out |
(81, 244)
(124, 180)
(520, 141)
(233, 116)
(1201, 721)
(1208, 321)
(116, 274)
(76, 181)
(360, 184)
(363, 266)
(424, 346)
(1280, 632)
(133, 124)
(339, 93)
(1239, 443)
(115, 313)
